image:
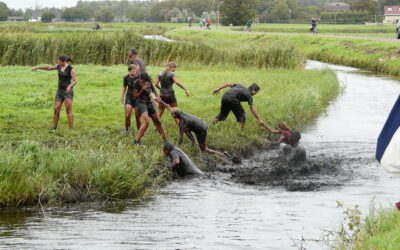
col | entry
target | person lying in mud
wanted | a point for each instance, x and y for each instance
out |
(142, 91)
(288, 136)
(188, 124)
(180, 162)
(231, 102)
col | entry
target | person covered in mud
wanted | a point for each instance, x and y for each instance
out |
(135, 59)
(180, 162)
(231, 102)
(142, 90)
(65, 92)
(292, 152)
(127, 96)
(167, 78)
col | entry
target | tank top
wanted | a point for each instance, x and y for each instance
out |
(64, 77)
(166, 80)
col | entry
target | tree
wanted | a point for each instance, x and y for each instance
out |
(368, 5)
(105, 16)
(238, 12)
(73, 14)
(47, 17)
(4, 11)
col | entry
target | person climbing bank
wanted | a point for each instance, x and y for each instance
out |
(231, 102)
(65, 92)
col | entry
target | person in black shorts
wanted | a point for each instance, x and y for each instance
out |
(65, 92)
(127, 96)
(142, 90)
(167, 79)
(231, 102)
(135, 59)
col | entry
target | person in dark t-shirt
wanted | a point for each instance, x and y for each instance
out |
(142, 90)
(65, 92)
(127, 96)
(135, 59)
(231, 102)
(167, 79)
(180, 162)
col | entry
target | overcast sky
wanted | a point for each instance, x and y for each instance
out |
(23, 4)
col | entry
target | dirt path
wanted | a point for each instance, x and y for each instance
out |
(223, 29)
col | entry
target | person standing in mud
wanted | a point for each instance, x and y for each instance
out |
(127, 96)
(65, 92)
(231, 102)
(167, 78)
(143, 89)
(288, 136)
(180, 162)
(135, 59)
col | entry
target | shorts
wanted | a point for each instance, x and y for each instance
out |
(201, 136)
(168, 98)
(143, 107)
(236, 108)
(130, 101)
(62, 94)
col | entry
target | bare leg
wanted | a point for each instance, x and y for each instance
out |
(57, 109)
(143, 127)
(242, 125)
(174, 105)
(128, 114)
(205, 148)
(70, 114)
(158, 125)
(137, 118)
(161, 109)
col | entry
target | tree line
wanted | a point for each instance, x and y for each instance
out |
(236, 12)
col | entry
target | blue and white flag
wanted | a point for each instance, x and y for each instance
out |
(388, 149)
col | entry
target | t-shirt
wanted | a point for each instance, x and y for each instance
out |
(130, 82)
(238, 94)
(64, 77)
(186, 166)
(139, 61)
(191, 122)
(145, 96)
(285, 133)
(166, 80)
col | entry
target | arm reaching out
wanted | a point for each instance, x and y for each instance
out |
(216, 91)
(260, 122)
(45, 68)
(180, 85)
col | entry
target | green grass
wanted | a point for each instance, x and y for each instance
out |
(96, 160)
(378, 56)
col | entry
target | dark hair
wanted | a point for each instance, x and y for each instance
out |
(64, 58)
(133, 51)
(132, 66)
(145, 77)
(255, 87)
(168, 146)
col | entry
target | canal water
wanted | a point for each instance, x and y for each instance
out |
(216, 213)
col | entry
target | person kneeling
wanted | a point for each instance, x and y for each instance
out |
(180, 162)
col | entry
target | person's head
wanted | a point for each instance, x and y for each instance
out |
(167, 148)
(132, 53)
(144, 77)
(63, 60)
(175, 112)
(133, 69)
(254, 88)
(171, 67)
(282, 126)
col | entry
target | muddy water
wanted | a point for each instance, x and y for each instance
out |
(217, 213)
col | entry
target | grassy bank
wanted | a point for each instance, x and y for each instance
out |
(111, 49)
(376, 56)
(96, 160)
(379, 230)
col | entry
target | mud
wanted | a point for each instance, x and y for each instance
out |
(289, 167)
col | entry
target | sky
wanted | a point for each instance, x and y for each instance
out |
(23, 4)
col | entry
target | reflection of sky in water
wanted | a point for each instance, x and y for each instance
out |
(218, 214)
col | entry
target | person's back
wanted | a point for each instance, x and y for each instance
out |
(192, 122)
(186, 166)
(237, 94)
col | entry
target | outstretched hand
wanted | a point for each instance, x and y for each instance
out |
(187, 93)
(34, 69)
(215, 92)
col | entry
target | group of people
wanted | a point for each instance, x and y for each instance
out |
(205, 23)
(140, 96)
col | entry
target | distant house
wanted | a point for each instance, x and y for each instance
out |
(337, 6)
(16, 18)
(392, 14)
